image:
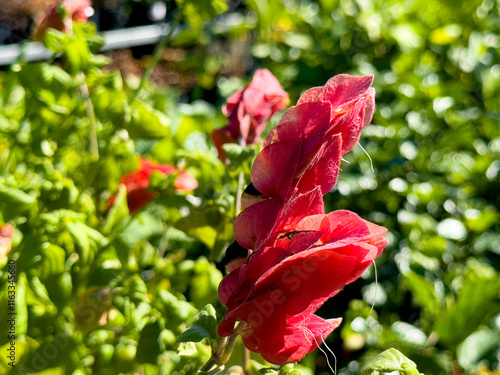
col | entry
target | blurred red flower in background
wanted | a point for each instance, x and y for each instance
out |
(249, 109)
(298, 256)
(61, 16)
(6, 233)
(137, 183)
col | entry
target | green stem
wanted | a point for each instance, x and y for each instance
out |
(223, 352)
(94, 147)
(156, 58)
(7, 162)
(246, 361)
(162, 246)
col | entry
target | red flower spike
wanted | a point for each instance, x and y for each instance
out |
(137, 183)
(298, 255)
(249, 109)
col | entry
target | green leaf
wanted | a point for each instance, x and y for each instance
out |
(118, 213)
(268, 371)
(140, 315)
(204, 283)
(204, 326)
(55, 40)
(187, 349)
(77, 54)
(23, 345)
(298, 40)
(199, 11)
(290, 369)
(391, 360)
(474, 348)
(87, 239)
(174, 309)
(238, 155)
(478, 291)
(21, 305)
(150, 345)
(14, 202)
(147, 122)
(53, 258)
(424, 293)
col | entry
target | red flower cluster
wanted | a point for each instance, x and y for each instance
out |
(60, 14)
(137, 183)
(6, 233)
(298, 256)
(249, 109)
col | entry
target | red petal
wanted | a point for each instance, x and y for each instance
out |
(298, 340)
(311, 95)
(186, 182)
(265, 314)
(274, 168)
(323, 168)
(256, 222)
(307, 276)
(220, 137)
(343, 227)
(302, 205)
(343, 88)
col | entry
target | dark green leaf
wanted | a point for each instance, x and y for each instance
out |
(204, 326)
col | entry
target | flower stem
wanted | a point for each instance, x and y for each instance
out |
(223, 352)
(94, 147)
(246, 361)
(156, 57)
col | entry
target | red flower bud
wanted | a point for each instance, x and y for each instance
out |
(249, 109)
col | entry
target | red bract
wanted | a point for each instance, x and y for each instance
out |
(298, 255)
(137, 183)
(249, 109)
(6, 233)
(61, 15)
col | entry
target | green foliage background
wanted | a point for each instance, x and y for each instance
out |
(102, 291)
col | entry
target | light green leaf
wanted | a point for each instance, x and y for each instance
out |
(147, 122)
(290, 369)
(174, 309)
(88, 240)
(55, 40)
(53, 258)
(268, 371)
(14, 202)
(472, 350)
(21, 317)
(391, 360)
(204, 283)
(118, 213)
